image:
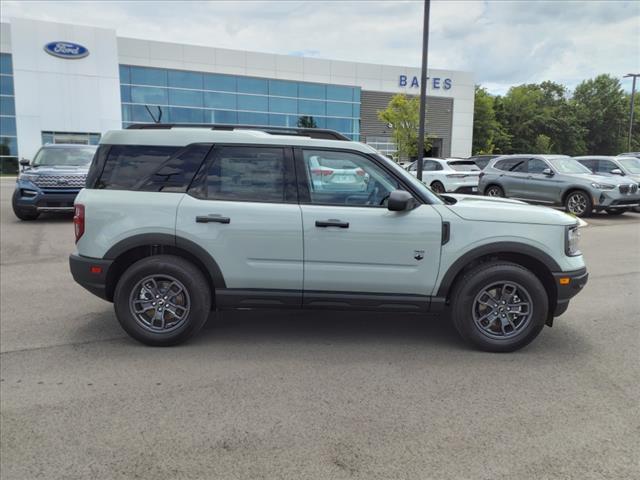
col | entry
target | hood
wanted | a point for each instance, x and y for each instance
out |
(491, 209)
(591, 178)
(59, 170)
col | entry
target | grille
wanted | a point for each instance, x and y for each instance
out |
(624, 188)
(634, 188)
(61, 181)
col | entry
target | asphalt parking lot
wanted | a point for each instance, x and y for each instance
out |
(301, 395)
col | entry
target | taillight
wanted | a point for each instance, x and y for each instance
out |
(322, 172)
(78, 220)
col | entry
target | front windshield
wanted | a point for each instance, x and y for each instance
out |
(568, 165)
(631, 165)
(418, 185)
(64, 156)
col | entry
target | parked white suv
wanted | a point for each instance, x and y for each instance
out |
(456, 175)
(177, 222)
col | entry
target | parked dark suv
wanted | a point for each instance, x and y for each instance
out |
(52, 180)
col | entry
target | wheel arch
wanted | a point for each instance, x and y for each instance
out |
(575, 188)
(128, 251)
(538, 262)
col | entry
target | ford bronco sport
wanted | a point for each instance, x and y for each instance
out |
(175, 222)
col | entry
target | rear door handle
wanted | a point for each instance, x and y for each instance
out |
(331, 223)
(212, 218)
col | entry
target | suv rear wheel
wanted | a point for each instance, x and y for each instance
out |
(499, 306)
(494, 191)
(162, 300)
(437, 187)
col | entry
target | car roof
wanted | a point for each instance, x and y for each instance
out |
(186, 136)
(600, 157)
(544, 156)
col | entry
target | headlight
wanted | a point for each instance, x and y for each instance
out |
(32, 177)
(603, 186)
(572, 240)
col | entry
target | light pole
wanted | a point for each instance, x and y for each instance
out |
(633, 94)
(423, 86)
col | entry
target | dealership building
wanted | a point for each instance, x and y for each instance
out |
(63, 83)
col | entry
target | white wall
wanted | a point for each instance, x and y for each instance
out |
(63, 95)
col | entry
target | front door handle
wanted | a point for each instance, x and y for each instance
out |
(332, 223)
(212, 218)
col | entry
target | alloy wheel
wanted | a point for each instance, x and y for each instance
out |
(159, 303)
(577, 203)
(494, 192)
(502, 310)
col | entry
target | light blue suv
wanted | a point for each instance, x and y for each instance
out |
(177, 222)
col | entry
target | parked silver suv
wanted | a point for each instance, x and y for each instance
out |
(557, 180)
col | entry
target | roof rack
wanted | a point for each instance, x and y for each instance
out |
(320, 133)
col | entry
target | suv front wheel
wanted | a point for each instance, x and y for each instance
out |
(578, 203)
(162, 300)
(499, 306)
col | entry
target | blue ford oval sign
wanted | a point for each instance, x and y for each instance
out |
(66, 50)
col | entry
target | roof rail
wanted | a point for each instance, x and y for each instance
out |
(320, 133)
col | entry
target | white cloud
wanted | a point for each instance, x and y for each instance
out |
(502, 42)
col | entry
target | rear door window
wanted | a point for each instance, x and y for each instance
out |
(249, 174)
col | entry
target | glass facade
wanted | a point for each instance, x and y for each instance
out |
(8, 136)
(174, 96)
(78, 138)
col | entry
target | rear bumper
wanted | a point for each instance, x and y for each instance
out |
(567, 290)
(91, 273)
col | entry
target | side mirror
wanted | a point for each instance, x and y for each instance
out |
(24, 163)
(399, 201)
(548, 172)
(617, 171)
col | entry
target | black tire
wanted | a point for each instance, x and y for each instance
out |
(582, 198)
(438, 187)
(615, 211)
(198, 297)
(494, 191)
(21, 212)
(475, 281)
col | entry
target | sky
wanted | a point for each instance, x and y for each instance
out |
(504, 43)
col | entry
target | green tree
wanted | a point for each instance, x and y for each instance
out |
(488, 134)
(306, 121)
(543, 144)
(403, 115)
(601, 105)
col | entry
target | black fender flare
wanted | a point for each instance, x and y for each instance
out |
(489, 249)
(164, 239)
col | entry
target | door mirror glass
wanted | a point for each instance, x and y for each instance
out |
(617, 171)
(548, 172)
(399, 201)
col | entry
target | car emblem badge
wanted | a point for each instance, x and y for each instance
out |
(61, 181)
(418, 254)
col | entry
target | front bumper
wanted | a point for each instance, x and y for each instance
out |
(568, 285)
(28, 196)
(91, 273)
(613, 198)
